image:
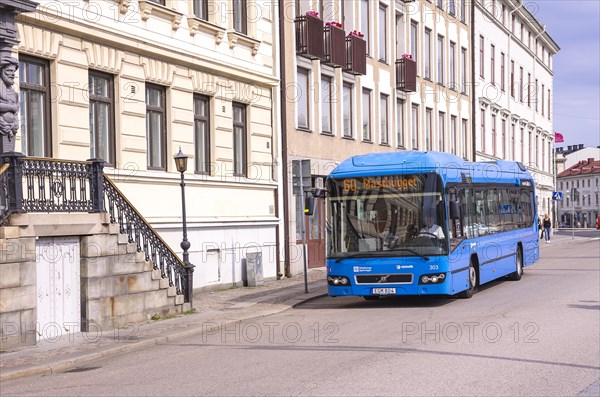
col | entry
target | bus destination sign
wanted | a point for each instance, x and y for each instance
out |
(400, 183)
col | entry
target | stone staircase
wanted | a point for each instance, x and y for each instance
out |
(119, 287)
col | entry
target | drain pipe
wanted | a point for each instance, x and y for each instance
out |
(284, 146)
(473, 102)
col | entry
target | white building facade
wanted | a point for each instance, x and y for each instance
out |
(513, 76)
(132, 82)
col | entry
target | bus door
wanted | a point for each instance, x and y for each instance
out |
(459, 232)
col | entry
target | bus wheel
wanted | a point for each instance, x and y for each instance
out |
(371, 297)
(516, 276)
(466, 294)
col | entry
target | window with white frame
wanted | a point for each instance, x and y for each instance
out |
(156, 135)
(427, 54)
(481, 57)
(240, 127)
(366, 115)
(302, 99)
(326, 105)
(452, 66)
(240, 17)
(383, 25)
(502, 71)
(414, 126)
(428, 129)
(200, 8)
(453, 135)
(364, 22)
(383, 120)
(400, 122)
(202, 134)
(464, 126)
(347, 105)
(463, 70)
(440, 59)
(442, 131)
(493, 64)
(414, 41)
(102, 117)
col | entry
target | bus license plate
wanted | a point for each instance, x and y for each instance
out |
(383, 291)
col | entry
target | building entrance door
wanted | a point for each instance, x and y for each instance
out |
(58, 287)
(315, 233)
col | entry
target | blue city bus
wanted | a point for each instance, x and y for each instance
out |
(427, 223)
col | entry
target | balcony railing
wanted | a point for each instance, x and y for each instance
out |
(356, 55)
(309, 36)
(406, 75)
(335, 46)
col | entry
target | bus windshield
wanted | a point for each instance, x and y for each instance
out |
(401, 215)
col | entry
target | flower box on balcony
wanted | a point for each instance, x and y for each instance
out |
(335, 46)
(406, 74)
(309, 36)
(356, 54)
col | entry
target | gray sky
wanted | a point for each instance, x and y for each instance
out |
(574, 26)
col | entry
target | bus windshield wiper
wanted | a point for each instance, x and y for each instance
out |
(368, 254)
(354, 255)
(411, 251)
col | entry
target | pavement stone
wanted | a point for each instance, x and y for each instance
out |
(214, 308)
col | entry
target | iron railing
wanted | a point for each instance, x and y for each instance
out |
(29, 184)
(4, 213)
(147, 240)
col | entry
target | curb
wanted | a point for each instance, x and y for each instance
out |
(71, 363)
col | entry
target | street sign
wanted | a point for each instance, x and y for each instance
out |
(557, 196)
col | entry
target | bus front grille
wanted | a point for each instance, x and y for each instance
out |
(384, 279)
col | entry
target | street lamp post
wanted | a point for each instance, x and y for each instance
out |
(181, 164)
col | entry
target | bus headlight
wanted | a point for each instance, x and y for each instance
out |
(432, 278)
(337, 280)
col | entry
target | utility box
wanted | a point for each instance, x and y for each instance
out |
(254, 269)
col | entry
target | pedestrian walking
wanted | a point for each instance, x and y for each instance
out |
(547, 225)
(540, 228)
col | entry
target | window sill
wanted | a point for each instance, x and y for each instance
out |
(349, 138)
(304, 129)
(199, 25)
(148, 8)
(234, 37)
(327, 133)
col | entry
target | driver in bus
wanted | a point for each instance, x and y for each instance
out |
(430, 228)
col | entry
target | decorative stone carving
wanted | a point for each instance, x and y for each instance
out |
(9, 103)
(9, 99)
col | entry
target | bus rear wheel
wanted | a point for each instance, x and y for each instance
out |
(516, 276)
(466, 294)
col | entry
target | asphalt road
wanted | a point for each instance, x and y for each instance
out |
(535, 337)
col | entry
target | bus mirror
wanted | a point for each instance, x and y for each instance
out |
(319, 193)
(454, 209)
(309, 204)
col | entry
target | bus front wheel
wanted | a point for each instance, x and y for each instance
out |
(516, 276)
(466, 294)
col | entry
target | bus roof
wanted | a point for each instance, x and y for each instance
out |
(451, 167)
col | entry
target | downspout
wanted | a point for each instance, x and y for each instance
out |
(284, 147)
(473, 102)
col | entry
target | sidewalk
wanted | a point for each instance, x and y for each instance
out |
(213, 309)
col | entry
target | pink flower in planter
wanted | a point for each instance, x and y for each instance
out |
(312, 13)
(408, 56)
(334, 23)
(356, 33)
